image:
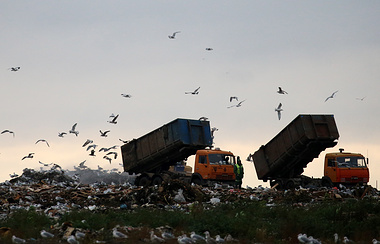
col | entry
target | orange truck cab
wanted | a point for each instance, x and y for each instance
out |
(346, 168)
(213, 166)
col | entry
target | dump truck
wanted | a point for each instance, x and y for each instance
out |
(283, 159)
(160, 155)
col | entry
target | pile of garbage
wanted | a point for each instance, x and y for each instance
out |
(56, 191)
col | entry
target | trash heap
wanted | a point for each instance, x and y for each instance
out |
(56, 191)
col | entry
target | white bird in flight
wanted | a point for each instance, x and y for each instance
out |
(278, 110)
(195, 92)
(126, 95)
(73, 130)
(332, 96)
(236, 105)
(173, 35)
(61, 134)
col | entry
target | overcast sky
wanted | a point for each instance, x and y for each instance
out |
(78, 57)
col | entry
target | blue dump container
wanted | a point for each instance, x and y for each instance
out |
(166, 145)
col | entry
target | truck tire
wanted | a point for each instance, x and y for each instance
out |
(197, 180)
(157, 180)
(290, 184)
(143, 180)
(326, 182)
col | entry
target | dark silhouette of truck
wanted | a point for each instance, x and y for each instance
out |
(159, 155)
(283, 159)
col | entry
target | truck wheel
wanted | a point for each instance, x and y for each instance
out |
(157, 180)
(290, 184)
(326, 182)
(197, 181)
(144, 181)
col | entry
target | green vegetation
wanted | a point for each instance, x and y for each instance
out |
(245, 220)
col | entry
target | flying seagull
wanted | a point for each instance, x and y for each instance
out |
(43, 140)
(173, 35)
(92, 153)
(278, 110)
(236, 105)
(195, 92)
(88, 141)
(104, 134)
(73, 130)
(15, 68)
(332, 96)
(114, 154)
(126, 95)
(232, 98)
(361, 99)
(280, 91)
(30, 155)
(113, 121)
(123, 141)
(8, 131)
(61, 134)
(209, 49)
(93, 146)
(108, 158)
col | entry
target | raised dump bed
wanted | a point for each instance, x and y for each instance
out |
(165, 146)
(302, 140)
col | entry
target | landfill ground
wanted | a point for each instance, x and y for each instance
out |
(55, 193)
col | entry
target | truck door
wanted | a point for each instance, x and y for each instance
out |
(201, 166)
(331, 169)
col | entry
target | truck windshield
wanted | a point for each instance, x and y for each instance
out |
(351, 162)
(223, 159)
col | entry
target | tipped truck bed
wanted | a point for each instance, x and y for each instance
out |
(302, 140)
(164, 146)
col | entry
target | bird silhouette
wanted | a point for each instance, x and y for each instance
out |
(173, 35)
(280, 91)
(104, 134)
(332, 96)
(30, 155)
(87, 142)
(209, 49)
(126, 95)
(107, 158)
(278, 110)
(15, 68)
(195, 92)
(42, 140)
(61, 134)
(8, 131)
(113, 121)
(114, 154)
(232, 98)
(236, 105)
(73, 130)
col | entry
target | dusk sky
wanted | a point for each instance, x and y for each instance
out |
(76, 58)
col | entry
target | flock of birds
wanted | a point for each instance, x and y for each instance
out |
(121, 233)
(303, 238)
(113, 120)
